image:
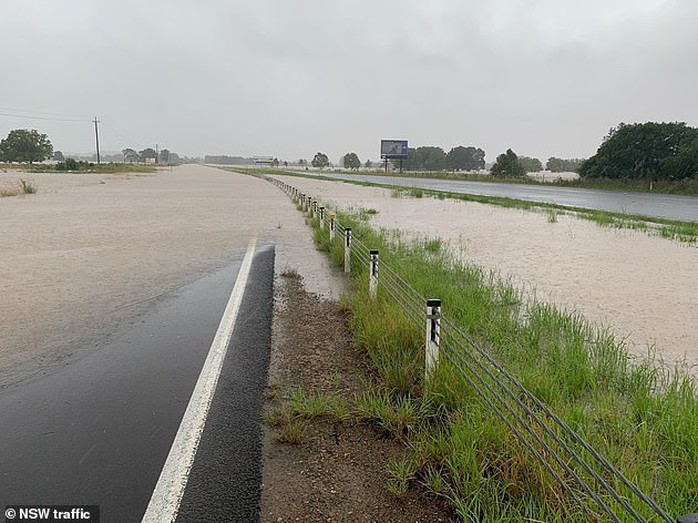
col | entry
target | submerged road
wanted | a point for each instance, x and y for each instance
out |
(674, 207)
(98, 430)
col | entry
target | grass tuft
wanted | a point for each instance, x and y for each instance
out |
(318, 404)
(24, 187)
(294, 432)
(9, 191)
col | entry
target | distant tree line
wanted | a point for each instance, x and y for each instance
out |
(433, 158)
(560, 165)
(150, 155)
(651, 151)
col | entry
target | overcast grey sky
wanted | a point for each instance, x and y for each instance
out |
(285, 78)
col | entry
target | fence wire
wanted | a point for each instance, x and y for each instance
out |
(566, 456)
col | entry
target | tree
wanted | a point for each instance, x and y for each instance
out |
(275, 162)
(530, 165)
(368, 164)
(165, 156)
(465, 159)
(560, 165)
(23, 145)
(426, 158)
(302, 162)
(58, 156)
(636, 151)
(683, 165)
(508, 165)
(351, 161)
(131, 156)
(320, 160)
(148, 153)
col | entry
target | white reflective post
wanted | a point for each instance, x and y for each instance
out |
(433, 337)
(347, 250)
(373, 274)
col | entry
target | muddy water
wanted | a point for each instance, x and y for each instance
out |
(644, 288)
(89, 252)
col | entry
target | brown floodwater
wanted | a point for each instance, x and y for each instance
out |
(644, 288)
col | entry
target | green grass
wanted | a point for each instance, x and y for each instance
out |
(640, 414)
(401, 472)
(366, 214)
(291, 416)
(294, 432)
(318, 404)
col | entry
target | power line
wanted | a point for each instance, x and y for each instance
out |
(63, 117)
(127, 141)
(43, 113)
(27, 117)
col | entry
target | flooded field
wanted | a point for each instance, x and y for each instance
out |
(89, 252)
(644, 288)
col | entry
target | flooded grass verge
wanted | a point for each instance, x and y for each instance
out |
(676, 230)
(637, 413)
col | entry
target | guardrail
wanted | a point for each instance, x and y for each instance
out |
(589, 478)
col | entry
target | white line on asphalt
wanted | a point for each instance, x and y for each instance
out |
(164, 503)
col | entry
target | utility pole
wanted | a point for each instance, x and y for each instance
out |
(97, 139)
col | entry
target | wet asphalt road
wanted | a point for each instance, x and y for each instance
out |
(96, 431)
(226, 479)
(658, 205)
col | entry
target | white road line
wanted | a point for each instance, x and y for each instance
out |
(164, 503)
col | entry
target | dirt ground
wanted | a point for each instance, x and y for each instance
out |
(644, 288)
(339, 471)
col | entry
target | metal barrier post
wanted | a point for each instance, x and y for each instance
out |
(312, 208)
(332, 228)
(433, 337)
(322, 217)
(373, 274)
(302, 201)
(347, 250)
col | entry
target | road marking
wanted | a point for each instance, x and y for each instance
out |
(167, 495)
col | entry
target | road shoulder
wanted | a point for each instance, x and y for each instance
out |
(338, 472)
(224, 482)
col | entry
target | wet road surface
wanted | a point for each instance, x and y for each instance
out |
(674, 207)
(97, 430)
